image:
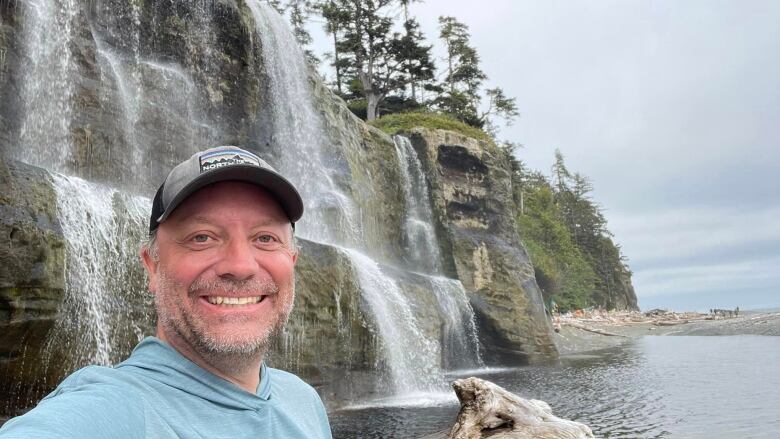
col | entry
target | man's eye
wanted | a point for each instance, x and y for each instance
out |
(266, 239)
(201, 238)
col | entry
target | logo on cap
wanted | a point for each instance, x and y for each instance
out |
(230, 157)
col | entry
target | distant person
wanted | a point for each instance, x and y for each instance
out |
(736, 311)
(220, 261)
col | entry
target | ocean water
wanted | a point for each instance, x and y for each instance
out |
(655, 387)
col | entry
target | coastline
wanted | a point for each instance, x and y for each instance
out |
(589, 331)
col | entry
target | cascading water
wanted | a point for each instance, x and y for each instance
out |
(48, 94)
(460, 344)
(331, 216)
(413, 357)
(101, 227)
(421, 243)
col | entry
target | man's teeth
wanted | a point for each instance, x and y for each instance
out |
(219, 300)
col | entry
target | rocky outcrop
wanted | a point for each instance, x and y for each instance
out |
(472, 197)
(32, 276)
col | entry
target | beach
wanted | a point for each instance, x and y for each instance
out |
(591, 331)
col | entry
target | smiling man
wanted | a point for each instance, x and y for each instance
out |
(220, 260)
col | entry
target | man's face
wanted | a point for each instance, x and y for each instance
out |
(223, 281)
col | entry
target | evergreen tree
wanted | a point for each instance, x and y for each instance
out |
(336, 15)
(299, 15)
(460, 92)
(587, 227)
(383, 62)
(416, 64)
(464, 77)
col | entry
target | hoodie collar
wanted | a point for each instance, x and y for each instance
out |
(161, 362)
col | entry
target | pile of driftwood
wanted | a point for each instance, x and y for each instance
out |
(582, 319)
(489, 411)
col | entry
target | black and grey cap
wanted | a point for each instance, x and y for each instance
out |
(222, 163)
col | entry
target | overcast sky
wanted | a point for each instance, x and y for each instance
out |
(672, 108)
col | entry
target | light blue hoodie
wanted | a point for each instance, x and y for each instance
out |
(158, 393)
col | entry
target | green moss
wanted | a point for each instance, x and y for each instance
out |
(394, 123)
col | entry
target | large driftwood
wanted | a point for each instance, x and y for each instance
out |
(489, 411)
(594, 330)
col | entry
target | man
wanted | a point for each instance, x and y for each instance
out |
(220, 262)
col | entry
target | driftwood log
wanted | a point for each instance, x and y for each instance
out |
(594, 330)
(489, 411)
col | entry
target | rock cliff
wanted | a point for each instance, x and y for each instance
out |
(472, 193)
(123, 91)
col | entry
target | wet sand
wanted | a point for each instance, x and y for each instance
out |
(572, 341)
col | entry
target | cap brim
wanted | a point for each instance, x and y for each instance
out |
(284, 192)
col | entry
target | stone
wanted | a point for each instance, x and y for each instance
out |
(32, 278)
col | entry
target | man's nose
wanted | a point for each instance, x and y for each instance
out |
(237, 261)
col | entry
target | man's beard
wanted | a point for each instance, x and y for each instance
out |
(214, 346)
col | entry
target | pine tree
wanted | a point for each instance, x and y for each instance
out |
(382, 62)
(464, 77)
(336, 15)
(299, 15)
(416, 64)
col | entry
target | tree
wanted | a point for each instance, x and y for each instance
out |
(498, 105)
(416, 64)
(299, 15)
(384, 62)
(336, 15)
(463, 78)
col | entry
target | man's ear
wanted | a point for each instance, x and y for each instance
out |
(151, 268)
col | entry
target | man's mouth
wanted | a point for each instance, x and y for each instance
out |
(234, 301)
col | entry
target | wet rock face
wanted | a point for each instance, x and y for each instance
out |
(327, 337)
(472, 197)
(128, 65)
(32, 275)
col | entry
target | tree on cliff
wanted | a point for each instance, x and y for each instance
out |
(460, 92)
(370, 58)
(336, 17)
(381, 61)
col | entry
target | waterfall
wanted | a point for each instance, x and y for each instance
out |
(331, 216)
(47, 93)
(101, 226)
(155, 111)
(460, 343)
(421, 243)
(413, 357)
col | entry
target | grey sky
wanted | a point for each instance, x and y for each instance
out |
(672, 108)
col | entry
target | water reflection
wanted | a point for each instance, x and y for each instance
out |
(688, 387)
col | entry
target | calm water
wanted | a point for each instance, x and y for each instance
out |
(656, 387)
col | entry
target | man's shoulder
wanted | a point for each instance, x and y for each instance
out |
(289, 382)
(92, 402)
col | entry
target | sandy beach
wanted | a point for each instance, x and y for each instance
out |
(594, 331)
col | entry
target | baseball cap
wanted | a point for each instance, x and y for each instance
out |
(222, 163)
